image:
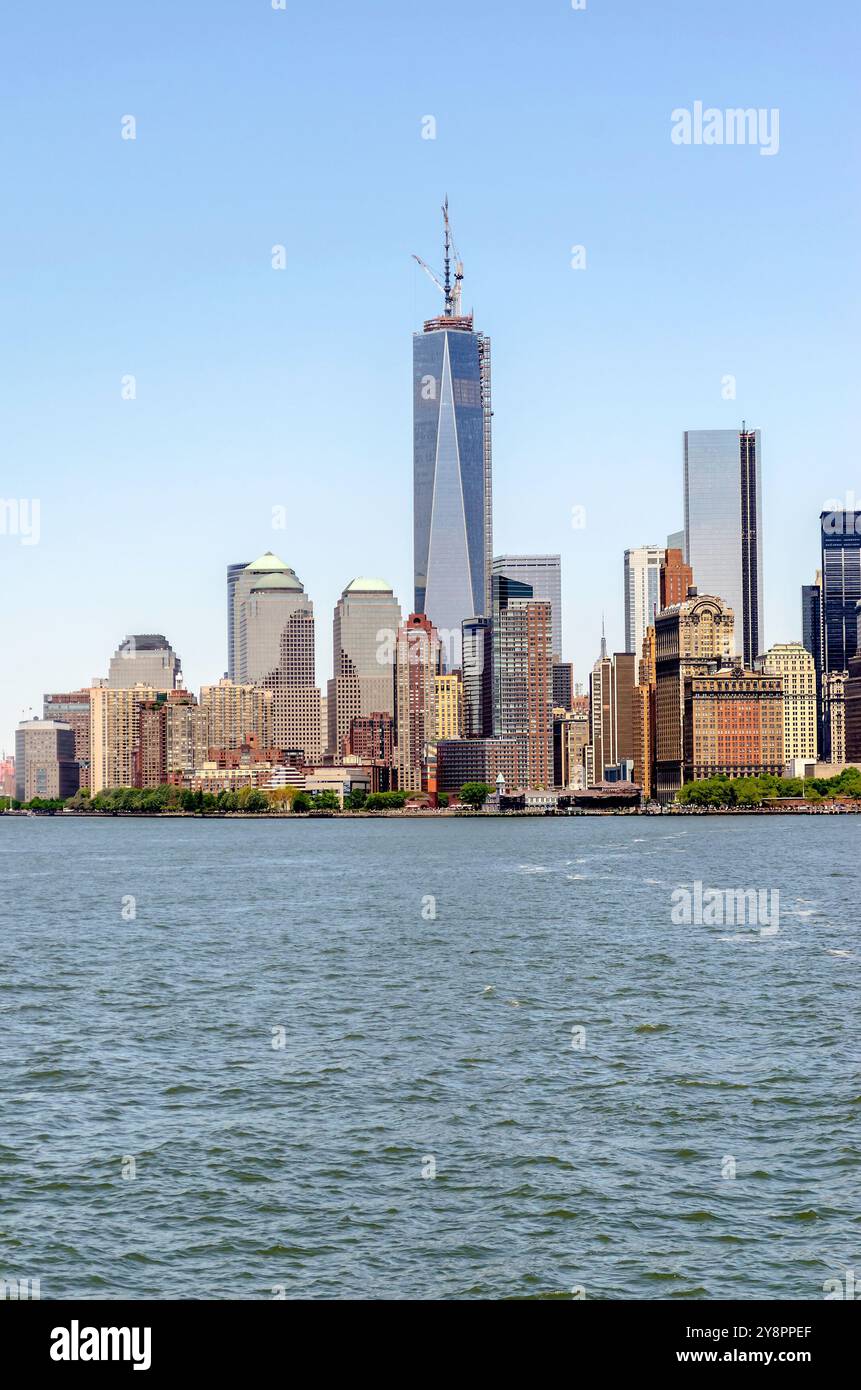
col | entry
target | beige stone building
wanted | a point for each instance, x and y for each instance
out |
(234, 711)
(114, 732)
(449, 706)
(795, 666)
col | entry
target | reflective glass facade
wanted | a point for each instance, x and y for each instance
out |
(723, 526)
(451, 479)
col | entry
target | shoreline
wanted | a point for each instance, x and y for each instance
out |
(822, 809)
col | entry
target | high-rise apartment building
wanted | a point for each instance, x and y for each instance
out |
(477, 670)
(274, 637)
(73, 708)
(452, 473)
(417, 664)
(234, 713)
(45, 763)
(723, 526)
(543, 574)
(364, 629)
(642, 592)
(449, 705)
(795, 666)
(691, 638)
(145, 658)
(114, 734)
(523, 676)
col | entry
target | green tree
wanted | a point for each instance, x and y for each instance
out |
(302, 803)
(326, 801)
(475, 794)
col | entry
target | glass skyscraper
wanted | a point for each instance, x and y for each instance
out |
(723, 526)
(452, 489)
(840, 594)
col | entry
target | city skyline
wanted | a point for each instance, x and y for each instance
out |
(243, 430)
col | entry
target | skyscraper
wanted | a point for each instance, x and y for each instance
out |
(523, 676)
(364, 628)
(642, 592)
(274, 639)
(841, 592)
(676, 576)
(543, 573)
(417, 664)
(233, 573)
(452, 477)
(794, 664)
(145, 659)
(691, 638)
(477, 669)
(723, 526)
(611, 712)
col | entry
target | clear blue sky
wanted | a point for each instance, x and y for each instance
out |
(258, 389)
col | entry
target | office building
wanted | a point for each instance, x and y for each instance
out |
(723, 526)
(45, 763)
(733, 725)
(543, 574)
(452, 468)
(642, 592)
(274, 636)
(611, 711)
(691, 638)
(563, 684)
(795, 666)
(841, 591)
(73, 708)
(145, 658)
(233, 573)
(364, 628)
(477, 671)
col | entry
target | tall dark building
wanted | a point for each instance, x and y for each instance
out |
(477, 672)
(723, 526)
(853, 703)
(811, 638)
(841, 592)
(452, 478)
(563, 684)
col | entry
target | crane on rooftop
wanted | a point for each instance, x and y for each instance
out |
(451, 293)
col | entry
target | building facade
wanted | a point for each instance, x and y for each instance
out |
(840, 594)
(449, 705)
(563, 685)
(234, 712)
(364, 630)
(834, 707)
(642, 592)
(45, 763)
(676, 578)
(733, 725)
(690, 639)
(477, 760)
(114, 725)
(73, 708)
(611, 711)
(477, 670)
(723, 526)
(523, 676)
(274, 635)
(418, 660)
(233, 573)
(795, 666)
(145, 658)
(543, 574)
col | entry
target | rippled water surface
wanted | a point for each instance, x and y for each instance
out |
(411, 1041)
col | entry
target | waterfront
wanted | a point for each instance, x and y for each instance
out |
(412, 1037)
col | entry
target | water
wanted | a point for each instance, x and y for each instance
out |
(263, 1171)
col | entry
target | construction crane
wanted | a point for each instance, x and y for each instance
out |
(451, 294)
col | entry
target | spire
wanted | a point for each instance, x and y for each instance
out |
(447, 285)
(603, 641)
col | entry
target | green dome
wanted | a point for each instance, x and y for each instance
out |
(284, 581)
(267, 564)
(363, 585)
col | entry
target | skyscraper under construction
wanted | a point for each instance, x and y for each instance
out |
(452, 472)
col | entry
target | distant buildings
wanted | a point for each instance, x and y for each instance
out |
(45, 764)
(523, 676)
(723, 526)
(543, 573)
(418, 660)
(477, 670)
(274, 638)
(691, 638)
(563, 684)
(452, 469)
(611, 711)
(795, 666)
(73, 708)
(733, 725)
(365, 624)
(449, 705)
(642, 592)
(145, 659)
